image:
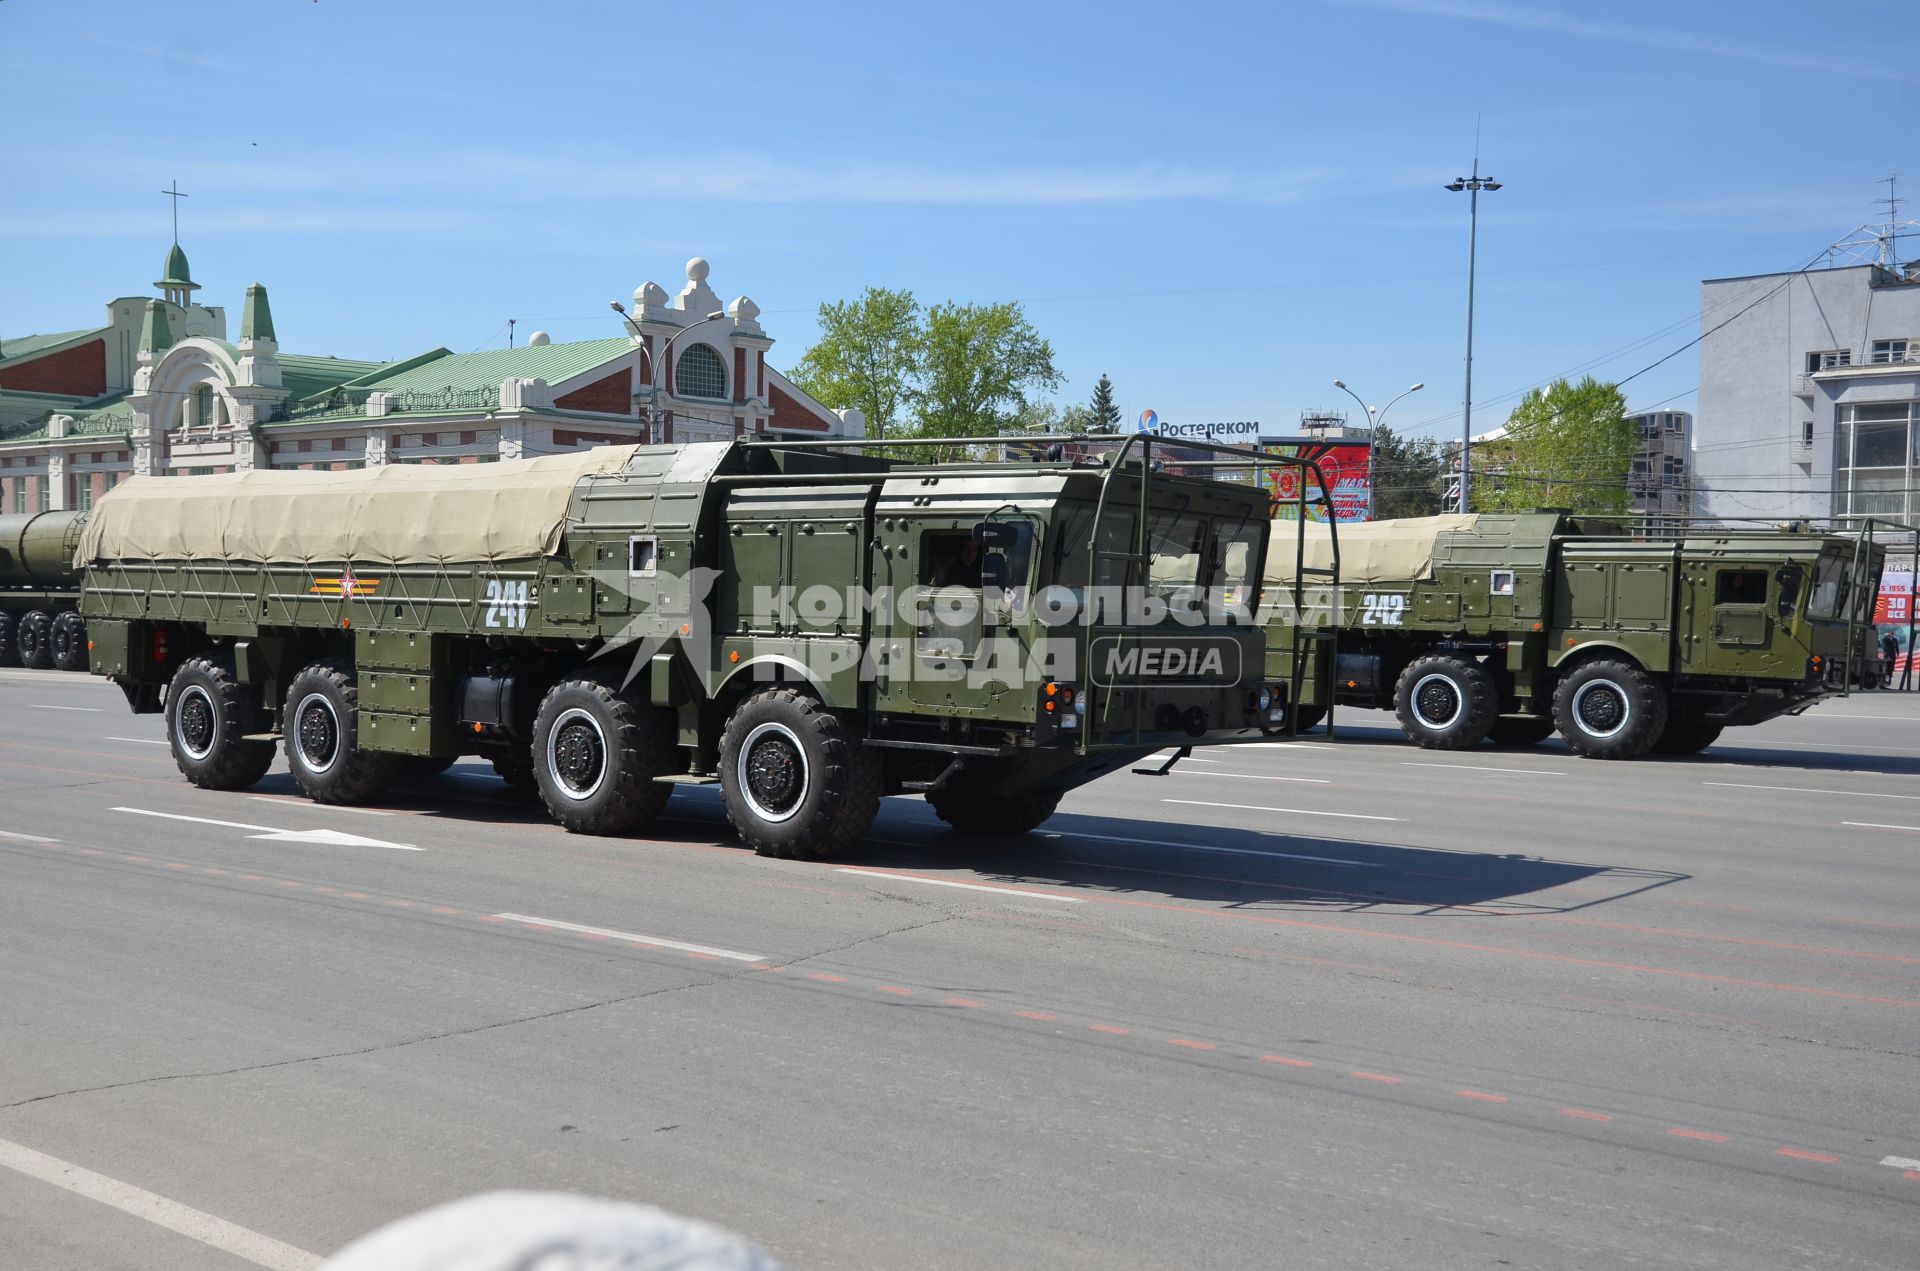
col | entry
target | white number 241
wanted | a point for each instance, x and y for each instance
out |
(506, 603)
(1383, 610)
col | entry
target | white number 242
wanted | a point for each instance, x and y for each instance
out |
(506, 603)
(1383, 610)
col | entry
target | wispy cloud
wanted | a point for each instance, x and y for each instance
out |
(241, 220)
(1555, 22)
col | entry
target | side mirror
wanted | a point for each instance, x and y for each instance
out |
(996, 534)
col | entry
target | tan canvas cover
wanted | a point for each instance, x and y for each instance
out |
(397, 515)
(1370, 551)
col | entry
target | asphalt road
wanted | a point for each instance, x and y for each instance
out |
(1319, 1004)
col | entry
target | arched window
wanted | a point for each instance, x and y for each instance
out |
(700, 373)
(202, 413)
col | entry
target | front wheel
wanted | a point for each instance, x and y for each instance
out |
(1608, 709)
(33, 640)
(797, 781)
(322, 729)
(596, 755)
(1445, 702)
(209, 714)
(67, 640)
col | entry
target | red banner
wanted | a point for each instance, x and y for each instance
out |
(1345, 466)
(1894, 603)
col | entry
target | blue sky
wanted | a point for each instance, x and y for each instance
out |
(1222, 206)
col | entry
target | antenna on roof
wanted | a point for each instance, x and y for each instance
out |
(1890, 252)
(510, 322)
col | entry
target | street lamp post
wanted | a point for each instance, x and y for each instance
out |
(1375, 415)
(666, 351)
(1475, 184)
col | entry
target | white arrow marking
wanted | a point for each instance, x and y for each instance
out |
(274, 834)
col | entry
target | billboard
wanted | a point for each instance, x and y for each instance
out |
(1238, 432)
(1346, 465)
(1894, 604)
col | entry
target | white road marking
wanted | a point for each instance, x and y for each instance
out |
(139, 741)
(1901, 1162)
(711, 951)
(91, 710)
(309, 804)
(1248, 776)
(262, 1251)
(1243, 807)
(1474, 767)
(1875, 825)
(25, 838)
(1223, 851)
(1858, 794)
(948, 882)
(1884, 719)
(272, 834)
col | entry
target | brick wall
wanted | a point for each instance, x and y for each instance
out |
(612, 395)
(76, 372)
(788, 413)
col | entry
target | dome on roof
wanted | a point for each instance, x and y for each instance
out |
(177, 276)
(539, 340)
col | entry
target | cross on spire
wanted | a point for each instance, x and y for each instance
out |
(176, 196)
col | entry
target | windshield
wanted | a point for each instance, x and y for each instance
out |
(1830, 587)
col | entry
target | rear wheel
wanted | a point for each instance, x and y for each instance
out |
(68, 639)
(596, 754)
(973, 810)
(209, 714)
(9, 656)
(797, 781)
(1687, 735)
(1608, 709)
(1445, 702)
(322, 732)
(1517, 730)
(33, 638)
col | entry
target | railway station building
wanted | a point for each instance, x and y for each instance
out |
(161, 388)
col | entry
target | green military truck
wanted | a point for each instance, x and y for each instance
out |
(809, 628)
(1511, 627)
(40, 623)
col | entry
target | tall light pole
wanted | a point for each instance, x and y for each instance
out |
(666, 351)
(1475, 184)
(1375, 414)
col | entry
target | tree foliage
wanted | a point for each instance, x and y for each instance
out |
(1566, 446)
(868, 356)
(1406, 475)
(1106, 415)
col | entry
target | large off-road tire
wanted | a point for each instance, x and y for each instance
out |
(68, 640)
(322, 732)
(973, 810)
(1687, 735)
(596, 755)
(1609, 709)
(1520, 730)
(33, 639)
(209, 713)
(9, 655)
(1445, 702)
(797, 781)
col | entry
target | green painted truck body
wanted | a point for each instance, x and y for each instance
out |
(698, 577)
(1718, 628)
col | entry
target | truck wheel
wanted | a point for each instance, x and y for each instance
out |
(797, 782)
(1687, 735)
(972, 810)
(1445, 702)
(1608, 709)
(209, 714)
(68, 639)
(596, 754)
(34, 640)
(9, 656)
(322, 729)
(1512, 730)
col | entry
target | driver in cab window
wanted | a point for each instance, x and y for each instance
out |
(953, 560)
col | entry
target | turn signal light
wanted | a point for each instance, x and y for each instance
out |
(1052, 690)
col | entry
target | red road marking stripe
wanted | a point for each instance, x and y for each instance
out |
(1039, 1015)
(1482, 1096)
(137, 860)
(249, 878)
(355, 895)
(1190, 1044)
(1912, 1173)
(214, 873)
(401, 904)
(1800, 1154)
(177, 865)
(1113, 1029)
(1681, 1132)
(445, 909)
(287, 882)
(89, 851)
(895, 989)
(325, 891)
(969, 1003)
(825, 978)
(1581, 1114)
(1291, 1063)
(1381, 1077)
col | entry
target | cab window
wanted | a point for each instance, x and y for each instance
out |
(949, 558)
(1741, 587)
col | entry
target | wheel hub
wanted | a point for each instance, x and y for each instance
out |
(775, 772)
(195, 721)
(578, 757)
(319, 738)
(1601, 709)
(1438, 702)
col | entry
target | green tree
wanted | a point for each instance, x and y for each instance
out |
(1406, 475)
(1106, 416)
(980, 365)
(868, 356)
(1566, 446)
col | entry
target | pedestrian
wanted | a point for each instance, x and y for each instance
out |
(1889, 654)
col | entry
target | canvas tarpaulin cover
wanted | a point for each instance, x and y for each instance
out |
(1370, 551)
(397, 515)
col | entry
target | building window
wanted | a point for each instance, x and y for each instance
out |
(1874, 458)
(202, 416)
(700, 373)
(1828, 359)
(1886, 352)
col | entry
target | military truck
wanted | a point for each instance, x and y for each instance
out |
(808, 628)
(40, 623)
(1510, 627)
